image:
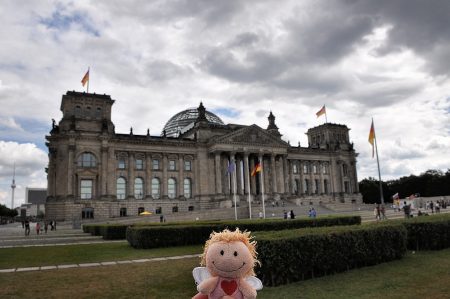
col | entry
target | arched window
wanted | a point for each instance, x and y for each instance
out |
(345, 169)
(88, 112)
(172, 188)
(187, 188)
(138, 188)
(86, 160)
(98, 112)
(121, 188)
(77, 111)
(156, 188)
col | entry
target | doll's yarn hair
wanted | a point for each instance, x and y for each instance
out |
(228, 236)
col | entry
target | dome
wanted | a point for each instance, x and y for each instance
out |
(185, 118)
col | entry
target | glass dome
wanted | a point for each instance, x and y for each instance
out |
(184, 120)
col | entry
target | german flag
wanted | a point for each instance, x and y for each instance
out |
(256, 169)
(85, 78)
(372, 137)
(321, 111)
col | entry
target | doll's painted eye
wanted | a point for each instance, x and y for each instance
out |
(235, 253)
(221, 252)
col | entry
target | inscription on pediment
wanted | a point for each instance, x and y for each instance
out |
(253, 135)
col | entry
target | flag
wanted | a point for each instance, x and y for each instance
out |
(321, 111)
(372, 137)
(256, 169)
(230, 168)
(395, 196)
(85, 78)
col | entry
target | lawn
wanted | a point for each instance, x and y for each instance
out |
(85, 253)
(419, 275)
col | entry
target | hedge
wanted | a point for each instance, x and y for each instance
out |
(428, 233)
(295, 255)
(180, 235)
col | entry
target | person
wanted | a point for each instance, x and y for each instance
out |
(432, 207)
(260, 215)
(284, 214)
(38, 228)
(437, 207)
(406, 209)
(45, 226)
(314, 213)
(376, 212)
(27, 227)
(288, 215)
(292, 214)
(383, 212)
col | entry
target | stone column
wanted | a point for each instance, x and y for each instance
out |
(301, 188)
(164, 183)
(246, 174)
(355, 177)
(130, 179)
(112, 169)
(104, 170)
(226, 176)
(285, 174)
(311, 177)
(218, 173)
(70, 171)
(181, 176)
(253, 178)
(322, 187)
(148, 175)
(341, 171)
(238, 175)
(273, 173)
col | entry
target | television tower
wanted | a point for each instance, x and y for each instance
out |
(13, 186)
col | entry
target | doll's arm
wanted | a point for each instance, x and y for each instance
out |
(208, 285)
(247, 290)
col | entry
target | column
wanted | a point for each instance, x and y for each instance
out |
(322, 187)
(111, 174)
(253, 178)
(164, 185)
(355, 177)
(218, 173)
(181, 176)
(104, 170)
(130, 179)
(341, 171)
(301, 188)
(285, 174)
(238, 175)
(273, 173)
(311, 178)
(246, 174)
(70, 172)
(148, 175)
(226, 176)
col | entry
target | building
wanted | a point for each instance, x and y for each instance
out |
(94, 172)
(35, 199)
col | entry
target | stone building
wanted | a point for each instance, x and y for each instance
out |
(195, 164)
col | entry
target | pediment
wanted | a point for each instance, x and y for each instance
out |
(251, 135)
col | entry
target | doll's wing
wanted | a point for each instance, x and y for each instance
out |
(254, 282)
(200, 274)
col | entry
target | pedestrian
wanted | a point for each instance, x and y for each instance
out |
(38, 228)
(45, 226)
(314, 213)
(375, 213)
(406, 209)
(437, 207)
(284, 214)
(54, 224)
(27, 227)
(292, 214)
(260, 215)
(432, 207)
(383, 212)
(288, 215)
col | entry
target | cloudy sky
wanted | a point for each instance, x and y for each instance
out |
(386, 59)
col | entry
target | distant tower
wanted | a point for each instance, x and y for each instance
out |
(13, 186)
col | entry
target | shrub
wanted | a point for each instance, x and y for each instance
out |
(301, 254)
(428, 233)
(180, 235)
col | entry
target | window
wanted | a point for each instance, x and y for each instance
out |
(123, 212)
(346, 187)
(138, 188)
(190, 208)
(325, 186)
(172, 165)
(121, 163)
(314, 168)
(294, 168)
(156, 188)
(139, 164)
(172, 188)
(174, 209)
(316, 187)
(306, 185)
(77, 111)
(88, 112)
(187, 165)
(86, 160)
(98, 113)
(140, 210)
(187, 188)
(345, 169)
(325, 168)
(86, 189)
(305, 168)
(155, 164)
(158, 210)
(296, 186)
(87, 213)
(121, 188)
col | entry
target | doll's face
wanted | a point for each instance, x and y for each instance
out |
(231, 260)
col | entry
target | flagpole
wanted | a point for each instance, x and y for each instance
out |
(262, 186)
(378, 164)
(246, 163)
(234, 187)
(89, 79)
(326, 120)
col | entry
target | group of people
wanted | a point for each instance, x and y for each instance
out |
(38, 227)
(288, 215)
(379, 212)
(435, 207)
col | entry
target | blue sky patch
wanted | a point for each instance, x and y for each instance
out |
(228, 112)
(31, 130)
(64, 22)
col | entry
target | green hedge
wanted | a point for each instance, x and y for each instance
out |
(180, 235)
(428, 232)
(295, 255)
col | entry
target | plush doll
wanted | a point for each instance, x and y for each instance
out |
(229, 257)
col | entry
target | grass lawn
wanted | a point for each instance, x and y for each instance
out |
(84, 253)
(420, 275)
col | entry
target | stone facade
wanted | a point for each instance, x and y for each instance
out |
(94, 172)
